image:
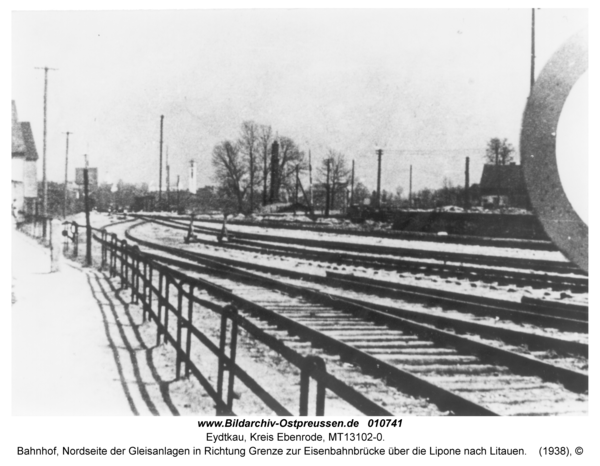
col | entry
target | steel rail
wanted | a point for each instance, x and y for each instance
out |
(336, 386)
(539, 245)
(512, 262)
(573, 380)
(575, 284)
(510, 336)
(482, 306)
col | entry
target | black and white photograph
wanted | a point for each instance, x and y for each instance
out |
(300, 212)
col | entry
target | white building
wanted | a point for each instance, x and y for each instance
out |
(24, 167)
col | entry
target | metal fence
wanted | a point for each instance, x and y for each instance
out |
(167, 297)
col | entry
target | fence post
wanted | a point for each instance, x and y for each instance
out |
(160, 300)
(150, 285)
(168, 280)
(113, 254)
(135, 254)
(232, 352)
(103, 249)
(123, 265)
(188, 340)
(75, 239)
(221, 367)
(310, 364)
(180, 292)
(144, 279)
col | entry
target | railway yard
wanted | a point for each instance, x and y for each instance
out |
(350, 323)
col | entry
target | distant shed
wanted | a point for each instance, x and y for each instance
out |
(504, 185)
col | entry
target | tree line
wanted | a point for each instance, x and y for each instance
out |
(246, 175)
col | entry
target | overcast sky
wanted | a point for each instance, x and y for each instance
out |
(439, 83)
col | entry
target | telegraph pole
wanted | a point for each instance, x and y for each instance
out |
(310, 190)
(160, 164)
(410, 189)
(265, 171)
(379, 154)
(44, 181)
(327, 190)
(252, 176)
(532, 48)
(352, 182)
(66, 176)
(168, 179)
(177, 193)
(467, 200)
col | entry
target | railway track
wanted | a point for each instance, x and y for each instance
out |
(456, 373)
(537, 245)
(453, 301)
(483, 271)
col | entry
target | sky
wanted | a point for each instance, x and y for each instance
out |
(430, 87)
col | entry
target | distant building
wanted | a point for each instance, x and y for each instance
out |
(503, 186)
(24, 166)
(143, 203)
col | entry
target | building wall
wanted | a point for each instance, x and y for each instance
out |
(18, 199)
(30, 179)
(17, 164)
(493, 200)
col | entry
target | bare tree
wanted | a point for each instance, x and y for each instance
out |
(499, 151)
(290, 156)
(265, 139)
(249, 145)
(231, 172)
(338, 172)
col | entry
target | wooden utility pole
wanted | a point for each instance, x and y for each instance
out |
(275, 178)
(66, 196)
(310, 187)
(327, 190)
(44, 181)
(352, 183)
(252, 176)
(467, 200)
(168, 178)
(177, 193)
(410, 189)
(532, 48)
(265, 171)
(379, 154)
(160, 164)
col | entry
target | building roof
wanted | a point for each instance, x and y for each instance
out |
(502, 179)
(30, 150)
(18, 142)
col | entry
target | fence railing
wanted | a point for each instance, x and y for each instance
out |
(167, 298)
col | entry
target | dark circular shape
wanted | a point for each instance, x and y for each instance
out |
(538, 149)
